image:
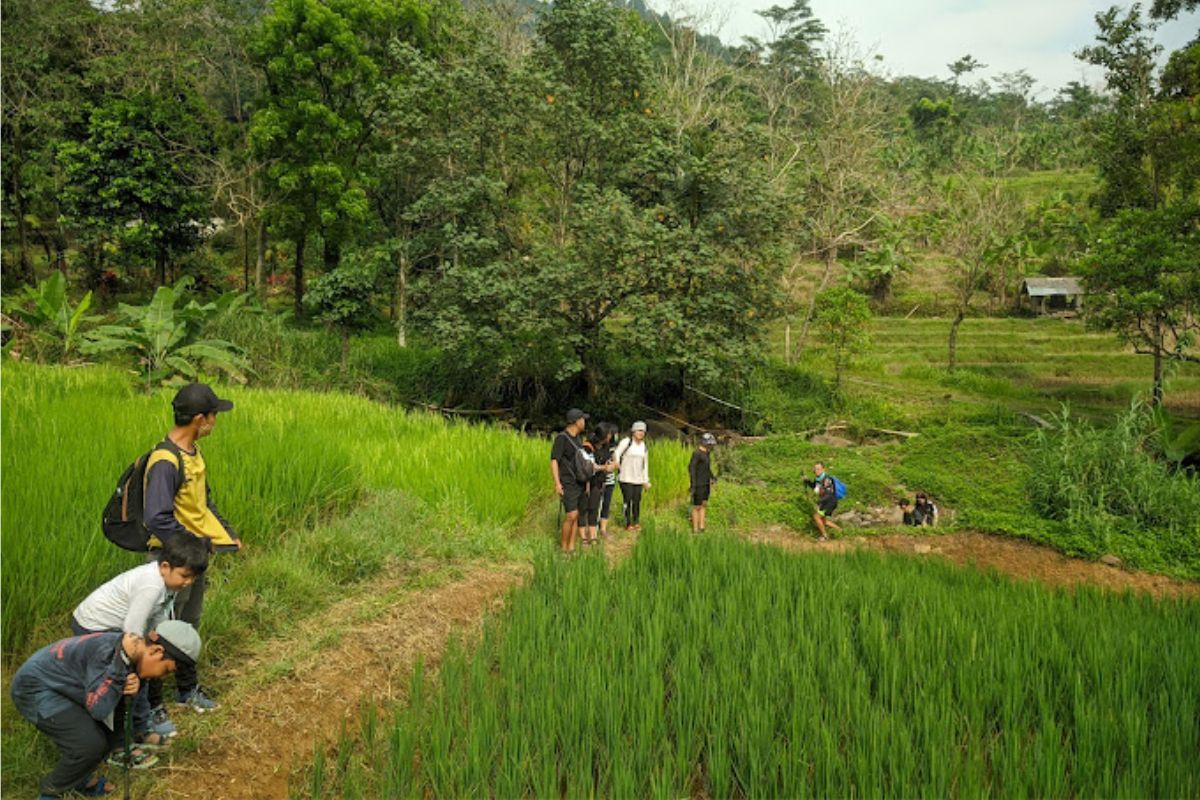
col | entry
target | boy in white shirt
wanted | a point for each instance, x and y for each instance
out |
(136, 601)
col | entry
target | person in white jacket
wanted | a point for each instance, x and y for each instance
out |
(634, 474)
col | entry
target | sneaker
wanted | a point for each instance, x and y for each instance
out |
(160, 723)
(138, 759)
(197, 700)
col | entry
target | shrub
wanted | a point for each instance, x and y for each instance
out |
(1113, 494)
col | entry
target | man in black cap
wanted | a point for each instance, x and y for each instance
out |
(178, 503)
(570, 485)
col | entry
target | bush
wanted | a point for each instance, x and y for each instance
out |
(1112, 493)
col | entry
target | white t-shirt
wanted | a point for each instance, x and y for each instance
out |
(133, 602)
(635, 462)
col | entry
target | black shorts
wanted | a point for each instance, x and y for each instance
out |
(827, 505)
(700, 494)
(574, 496)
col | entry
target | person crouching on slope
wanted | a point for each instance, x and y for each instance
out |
(76, 690)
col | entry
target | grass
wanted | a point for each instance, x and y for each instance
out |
(707, 667)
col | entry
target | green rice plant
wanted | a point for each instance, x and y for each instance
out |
(706, 667)
(281, 461)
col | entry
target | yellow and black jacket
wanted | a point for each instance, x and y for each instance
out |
(178, 503)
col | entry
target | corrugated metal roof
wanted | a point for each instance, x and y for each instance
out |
(1047, 287)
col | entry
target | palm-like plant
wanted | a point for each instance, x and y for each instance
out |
(166, 338)
(54, 327)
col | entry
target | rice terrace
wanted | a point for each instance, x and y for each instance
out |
(599, 398)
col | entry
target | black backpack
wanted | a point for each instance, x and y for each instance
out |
(124, 521)
(584, 467)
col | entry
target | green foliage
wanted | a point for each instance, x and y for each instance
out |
(279, 464)
(1143, 282)
(733, 670)
(1113, 495)
(342, 299)
(842, 323)
(166, 338)
(54, 326)
(128, 182)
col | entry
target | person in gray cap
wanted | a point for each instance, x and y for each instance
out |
(76, 691)
(571, 486)
(700, 476)
(179, 503)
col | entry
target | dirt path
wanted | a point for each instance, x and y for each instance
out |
(1015, 557)
(315, 681)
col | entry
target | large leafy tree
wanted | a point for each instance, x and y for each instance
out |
(326, 65)
(1144, 283)
(130, 181)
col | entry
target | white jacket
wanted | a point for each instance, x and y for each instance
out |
(635, 466)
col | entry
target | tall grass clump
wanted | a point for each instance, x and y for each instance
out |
(278, 463)
(1114, 495)
(706, 667)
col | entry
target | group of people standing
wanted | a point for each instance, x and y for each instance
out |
(587, 470)
(99, 693)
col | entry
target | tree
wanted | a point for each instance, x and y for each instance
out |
(1144, 284)
(979, 231)
(326, 66)
(842, 322)
(130, 180)
(342, 299)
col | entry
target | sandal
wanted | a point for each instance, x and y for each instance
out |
(152, 740)
(100, 788)
(138, 759)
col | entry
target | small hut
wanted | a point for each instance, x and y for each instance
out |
(1046, 295)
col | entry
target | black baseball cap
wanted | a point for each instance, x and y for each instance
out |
(198, 398)
(575, 414)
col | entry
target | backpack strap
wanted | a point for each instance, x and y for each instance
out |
(622, 446)
(175, 450)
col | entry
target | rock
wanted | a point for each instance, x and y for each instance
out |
(922, 549)
(830, 441)
(1111, 560)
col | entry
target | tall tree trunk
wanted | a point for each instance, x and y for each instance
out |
(298, 276)
(1157, 392)
(830, 260)
(245, 256)
(331, 254)
(402, 299)
(787, 340)
(958, 318)
(260, 256)
(160, 266)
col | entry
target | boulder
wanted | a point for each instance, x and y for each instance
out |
(1111, 560)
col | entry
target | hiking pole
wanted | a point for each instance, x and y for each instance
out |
(128, 744)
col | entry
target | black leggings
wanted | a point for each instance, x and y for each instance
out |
(631, 502)
(606, 500)
(590, 514)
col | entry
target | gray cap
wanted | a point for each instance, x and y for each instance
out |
(638, 426)
(180, 640)
(708, 440)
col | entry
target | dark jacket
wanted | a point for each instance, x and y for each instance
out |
(87, 671)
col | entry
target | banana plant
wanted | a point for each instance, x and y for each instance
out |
(54, 326)
(166, 339)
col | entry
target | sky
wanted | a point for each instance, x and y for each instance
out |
(920, 37)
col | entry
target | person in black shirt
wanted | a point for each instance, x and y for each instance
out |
(701, 478)
(571, 487)
(598, 448)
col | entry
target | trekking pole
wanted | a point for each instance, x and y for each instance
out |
(128, 745)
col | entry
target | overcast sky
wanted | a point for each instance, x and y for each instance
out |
(920, 37)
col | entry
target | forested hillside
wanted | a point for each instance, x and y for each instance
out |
(543, 202)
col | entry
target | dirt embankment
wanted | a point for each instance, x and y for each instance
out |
(315, 682)
(1018, 558)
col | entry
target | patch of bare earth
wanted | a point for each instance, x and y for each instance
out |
(1015, 557)
(310, 685)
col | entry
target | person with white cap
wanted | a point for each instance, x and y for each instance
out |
(700, 477)
(77, 690)
(634, 474)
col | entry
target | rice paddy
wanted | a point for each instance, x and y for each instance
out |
(704, 667)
